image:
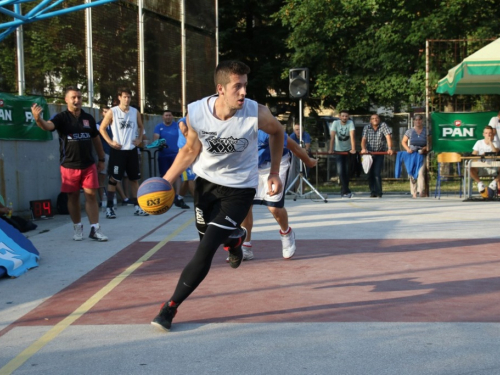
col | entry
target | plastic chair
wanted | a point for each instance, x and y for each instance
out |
(447, 158)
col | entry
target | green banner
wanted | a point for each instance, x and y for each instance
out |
(457, 131)
(16, 119)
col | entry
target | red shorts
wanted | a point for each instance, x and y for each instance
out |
(75, 179)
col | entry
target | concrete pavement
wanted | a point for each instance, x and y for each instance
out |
(377, 286)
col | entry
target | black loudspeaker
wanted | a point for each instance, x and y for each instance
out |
(299, 82)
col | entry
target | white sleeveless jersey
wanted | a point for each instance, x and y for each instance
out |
(124, 127)
(229, 155)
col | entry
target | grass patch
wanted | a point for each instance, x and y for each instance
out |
(389, 186)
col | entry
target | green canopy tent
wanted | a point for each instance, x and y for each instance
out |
(477, 74)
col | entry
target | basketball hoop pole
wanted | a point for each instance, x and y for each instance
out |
(300, 192)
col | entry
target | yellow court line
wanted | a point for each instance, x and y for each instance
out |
(27, 353)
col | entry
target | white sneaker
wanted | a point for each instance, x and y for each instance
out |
(96, 234)
(480, 187)
(288, 242)
(247, 252)
(493, 185)
(78, 235)
(110, 213)
(140, 212)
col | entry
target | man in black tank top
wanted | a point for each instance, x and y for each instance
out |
(220, 209)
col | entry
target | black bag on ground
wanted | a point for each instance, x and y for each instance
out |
(62, 204)
(19, 223)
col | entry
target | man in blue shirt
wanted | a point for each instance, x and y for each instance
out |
(306, 139)
(169, 131)
(274, 203)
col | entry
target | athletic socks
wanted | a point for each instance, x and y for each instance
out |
(111, 197)
(286, 232)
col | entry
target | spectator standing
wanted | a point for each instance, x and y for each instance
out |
(376, 138)
(418, 140)
(78, 135)
(342, 139)
(127, 129)
(168, 129)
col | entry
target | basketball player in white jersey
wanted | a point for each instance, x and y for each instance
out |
(222, 144)
(126, 126)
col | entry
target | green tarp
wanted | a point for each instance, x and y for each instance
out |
(16, 120)
(458, 132)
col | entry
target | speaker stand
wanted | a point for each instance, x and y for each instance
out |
(300, 192)
(300, 189)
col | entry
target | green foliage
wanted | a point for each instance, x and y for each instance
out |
(8, 72)
(248, 33)
(361, 52)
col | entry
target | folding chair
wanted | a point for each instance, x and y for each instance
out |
(447, 158)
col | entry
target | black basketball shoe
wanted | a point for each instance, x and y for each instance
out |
(236, 252)
(181, 204)
(164, 318)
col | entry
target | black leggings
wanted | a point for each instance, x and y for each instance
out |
(197, 269)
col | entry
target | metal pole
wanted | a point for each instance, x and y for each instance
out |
(427, 93)
(90, 64)
(21, 82)
(216, 32)
(183, 56)
(427, 119)
(301, 143)
(142, 82)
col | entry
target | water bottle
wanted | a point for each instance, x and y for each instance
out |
(9, 214)
(104, 201)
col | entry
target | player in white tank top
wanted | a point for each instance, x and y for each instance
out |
(126, 126)
(229, 154)
(222, 138)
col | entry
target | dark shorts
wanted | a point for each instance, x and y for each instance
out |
(219, 205)
(121, 161)
(165, 162)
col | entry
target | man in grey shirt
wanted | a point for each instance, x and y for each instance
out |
(343, 140)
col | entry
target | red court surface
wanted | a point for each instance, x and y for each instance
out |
(326, 281)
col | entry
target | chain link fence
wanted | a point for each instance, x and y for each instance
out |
(55, 53)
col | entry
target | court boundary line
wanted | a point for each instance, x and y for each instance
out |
(56, 330)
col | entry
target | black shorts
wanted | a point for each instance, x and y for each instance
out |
(222, 206)
(121, 161)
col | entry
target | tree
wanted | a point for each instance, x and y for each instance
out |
(249, 33)
(370, 52)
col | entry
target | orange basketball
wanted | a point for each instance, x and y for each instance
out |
(155, 196)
